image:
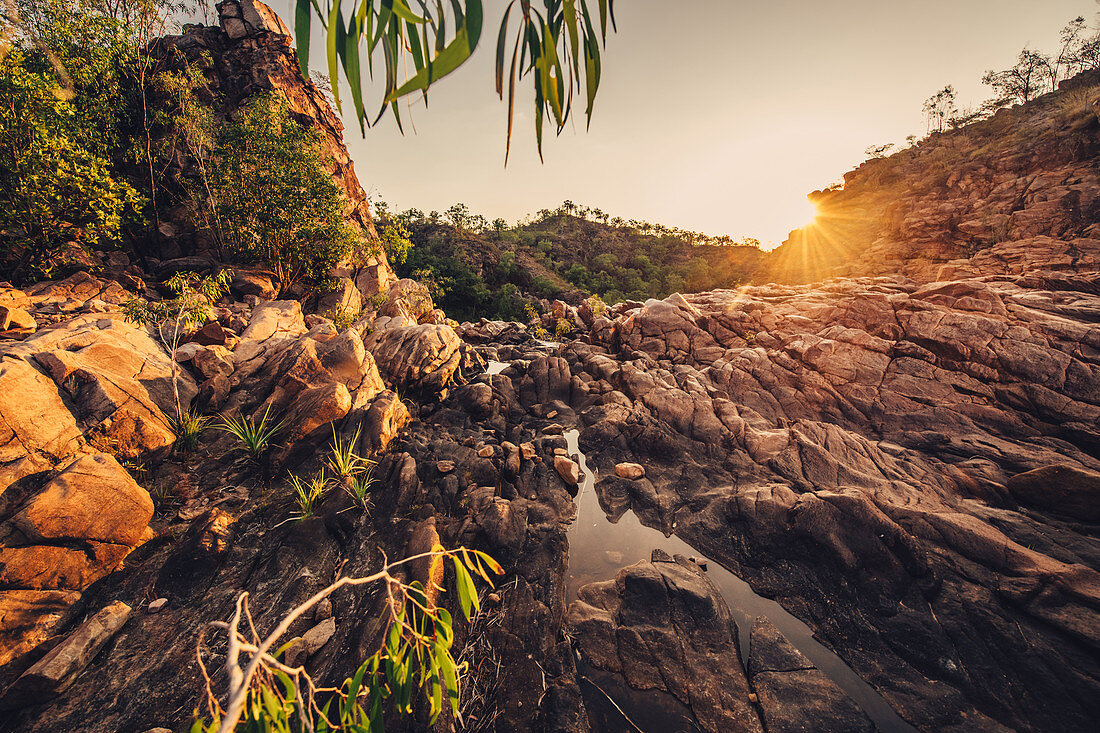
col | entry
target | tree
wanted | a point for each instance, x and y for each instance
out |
(53, 189)
(940, 109)
(169, 319)
(276, 202)
(1070, 36)
(557, 48)
(1032, 73)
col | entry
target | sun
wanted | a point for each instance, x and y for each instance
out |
(804, 213)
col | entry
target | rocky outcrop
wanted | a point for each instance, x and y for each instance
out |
(251, 52)
(664, 626)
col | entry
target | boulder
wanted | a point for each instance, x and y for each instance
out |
(92, 499)
(630, 471)
(568, 469)
(53, 673)
(420, 357)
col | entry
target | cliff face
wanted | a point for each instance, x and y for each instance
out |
(1022, 185)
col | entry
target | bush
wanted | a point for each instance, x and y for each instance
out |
(275, 199)
(53, 189)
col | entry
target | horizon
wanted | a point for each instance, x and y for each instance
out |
(706, 165)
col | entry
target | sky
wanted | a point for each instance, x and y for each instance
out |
(712, 116)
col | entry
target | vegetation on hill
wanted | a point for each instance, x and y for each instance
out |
(477, 268)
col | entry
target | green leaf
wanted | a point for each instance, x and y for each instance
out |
(302, 17)
(453, 55)
(335, 29)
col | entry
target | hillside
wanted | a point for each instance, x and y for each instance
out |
(1002, 192)
(568, 254)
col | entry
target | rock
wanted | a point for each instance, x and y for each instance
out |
(252, 283)
(445, 466)
(1062, 488)
(53, 673)
(16, 323)
(569, 471)
(30, 617)
(271, 325)
(92, 499)
(504, 523)
(119, 381)
(211, 334)
(629, 471)
(213, 362)
(416, 357)
(383, 420)
(527, 451)
(486, 452)
(323, 610)
(35, 423)
(664, 626)
(157, 605)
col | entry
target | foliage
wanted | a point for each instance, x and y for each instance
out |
(308, 492)
(359, 488)
(393, 235)
(276, 202)
(255, 436)
(54, 188)
(342, 458)
(494, 272)
(189, 427)
(415, 657)
(1033, 73)
(170, 318)
(558, 48)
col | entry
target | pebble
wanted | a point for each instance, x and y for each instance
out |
(445, 466)
(157, 605)
(486, 452)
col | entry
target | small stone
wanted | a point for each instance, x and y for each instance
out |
(551, 415)
(632, 471)
(445, 466)
(553, 429)
(494, 598)
(157, 605)
(569, 471)
(753, 698)
(323, 610)
(527, 451)
(561, 452)
(486, 452)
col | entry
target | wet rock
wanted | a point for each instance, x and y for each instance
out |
(664, 626)
(793, 694)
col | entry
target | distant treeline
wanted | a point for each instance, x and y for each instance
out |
(480, 268)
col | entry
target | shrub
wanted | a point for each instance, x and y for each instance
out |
(255, 436)
(275, 200)
(170, 318)
(415, 656)
(53, 189)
